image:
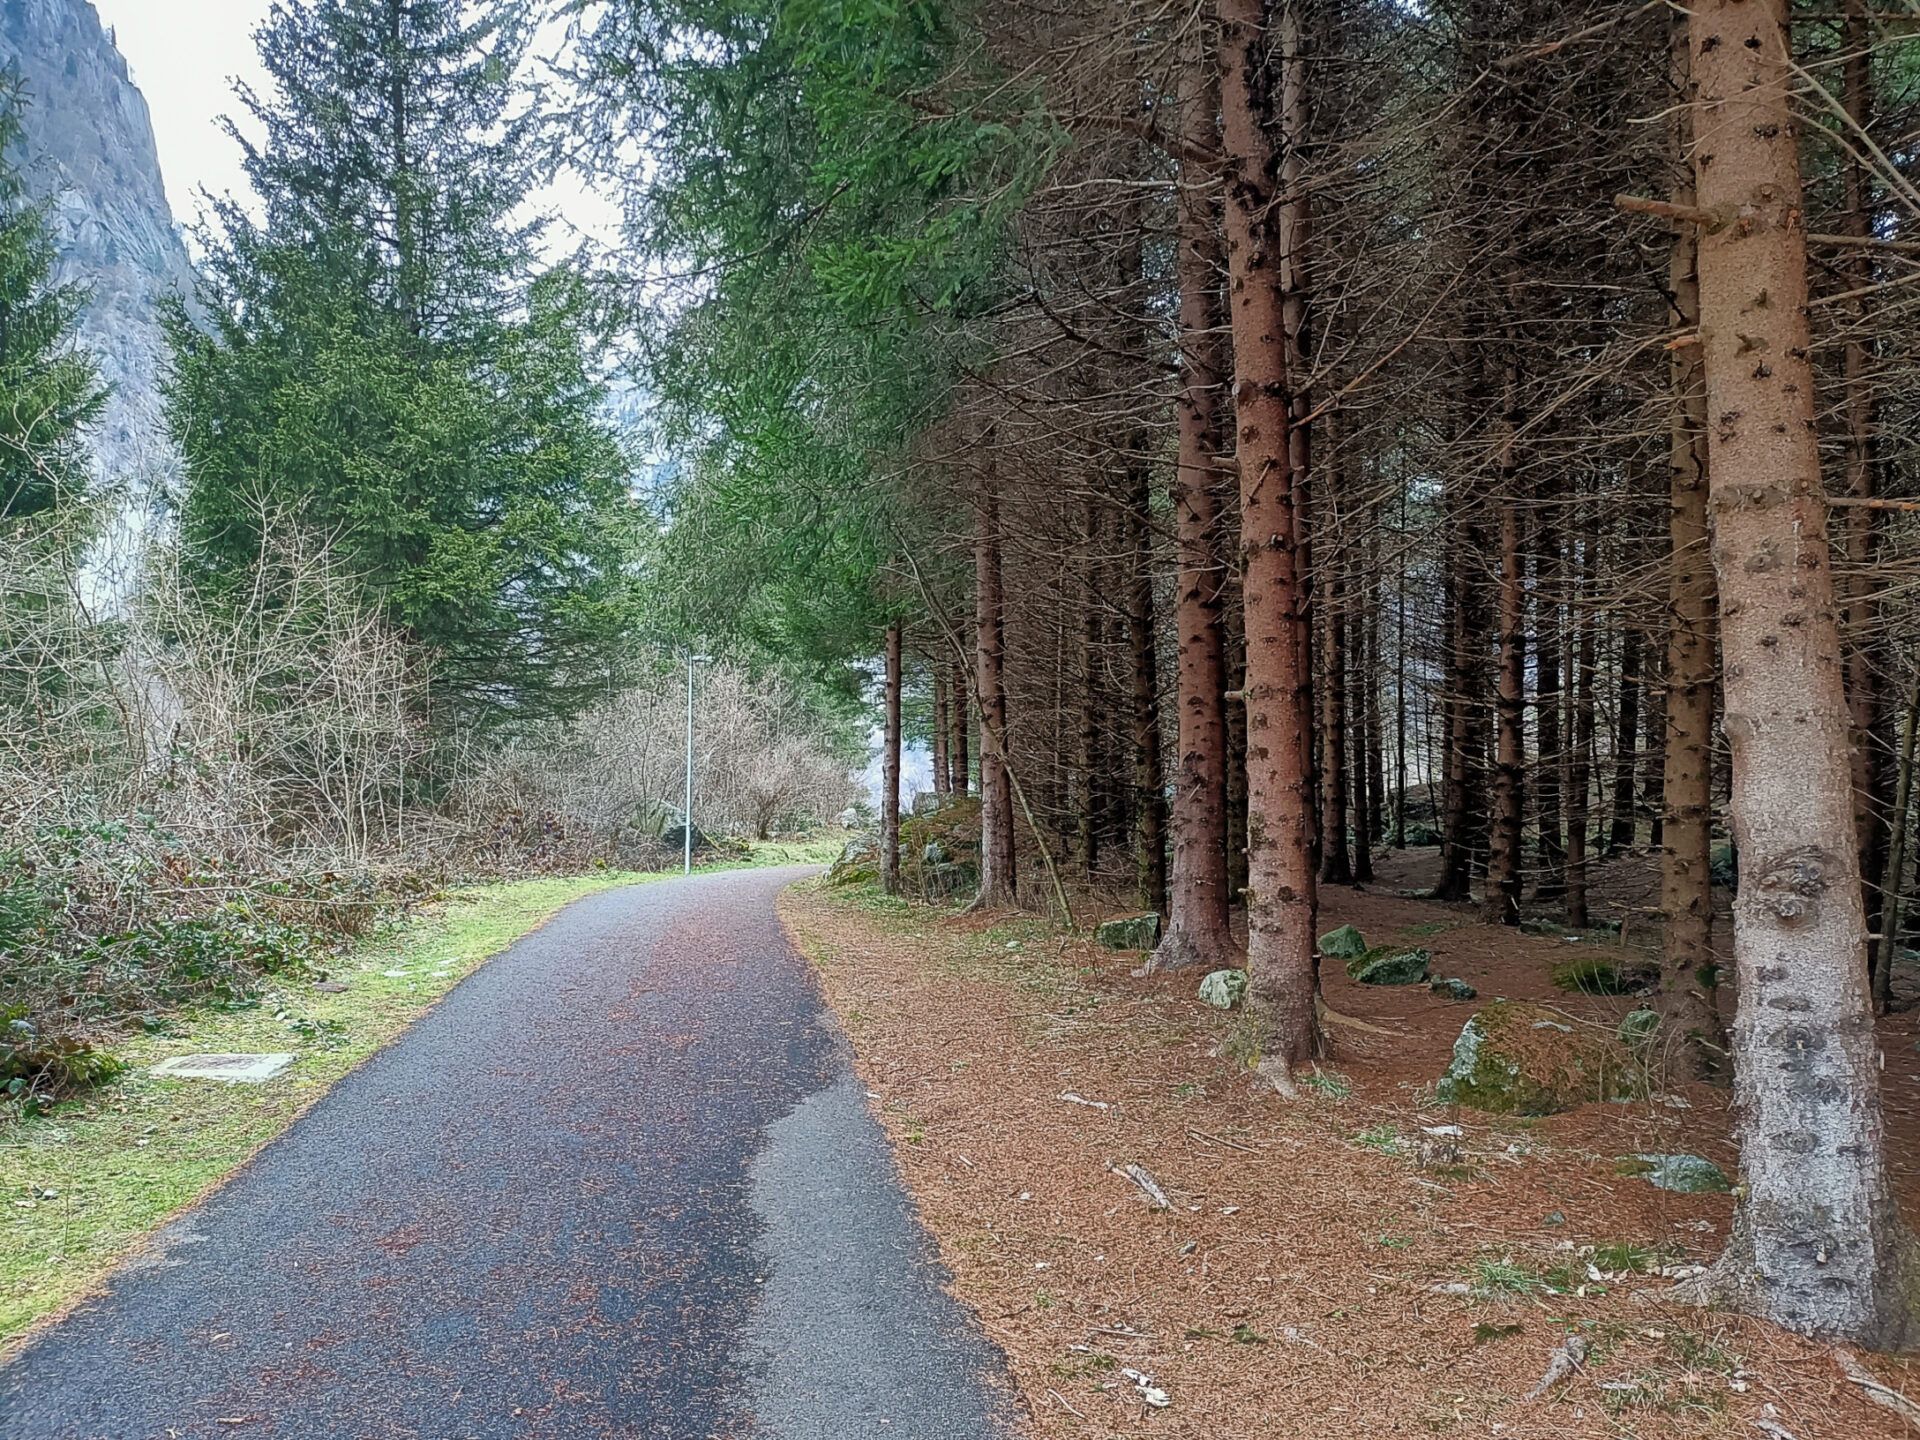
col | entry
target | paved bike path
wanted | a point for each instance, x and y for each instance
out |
(621, 1182)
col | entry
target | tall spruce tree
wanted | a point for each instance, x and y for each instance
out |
(386, 364)
(49, 387)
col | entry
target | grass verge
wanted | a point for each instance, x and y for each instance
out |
(87, 1181)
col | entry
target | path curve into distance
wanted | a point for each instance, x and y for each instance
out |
(620, 1182)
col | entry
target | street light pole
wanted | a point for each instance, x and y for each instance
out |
(686, 814)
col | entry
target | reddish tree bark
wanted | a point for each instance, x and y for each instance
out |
(1197, 932)
(1689, 971)
(890, 771)
(959, 766)
(1281, 902)
(942, 779)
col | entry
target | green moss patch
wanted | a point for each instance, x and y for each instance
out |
(1515, 1058)
(1682, 1174)
(1607, 974)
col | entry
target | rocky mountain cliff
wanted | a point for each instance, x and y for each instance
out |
(90, 151)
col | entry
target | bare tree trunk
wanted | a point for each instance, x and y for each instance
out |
(1861, 525)
(959, 768)
(1817, 1243)
(890, 771)
(1149, 784)
(1510, 696)
(1893, 912)
(1462, 680)
(1689, 972)
(1581, 656)
(1549, 609)
(1335, 865)
(1281, 901)
(1365, 689)
(1197, 932)
(942, 780)
(1293, 216)
(1091, 766)
(1653, 756)
(1400, 691)
(997, 879)
(1626, 740)
(1234, 628)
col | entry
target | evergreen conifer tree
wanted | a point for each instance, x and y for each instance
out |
(387, 364)
(49, 387)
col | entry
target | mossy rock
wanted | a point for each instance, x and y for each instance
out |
(1224, 989)
(1611, 974)
(859, 862)
(1454, 989)
(1516, 1058)
(1390, 965)
(1129, 932)
(1682, 1174)
(940, 848)
(1346, 943)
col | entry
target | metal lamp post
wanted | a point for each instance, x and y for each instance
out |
(686, 825)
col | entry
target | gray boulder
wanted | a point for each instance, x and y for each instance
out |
(1129, 932)
(1224, 989)
(1389, 965)
(1346, 943)
(859, 862)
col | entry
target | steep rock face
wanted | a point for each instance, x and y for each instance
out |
(90, 152)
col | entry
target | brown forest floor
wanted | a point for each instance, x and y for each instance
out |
(1316, 1276)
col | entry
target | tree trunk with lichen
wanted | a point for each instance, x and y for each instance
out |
(1817, 1243)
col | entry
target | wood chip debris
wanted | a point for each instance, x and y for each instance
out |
(1148, 1185)
(1151, 1393)
(1884, 1395)
(1569, 1357)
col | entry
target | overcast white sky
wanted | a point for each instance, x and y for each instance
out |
(185, 56)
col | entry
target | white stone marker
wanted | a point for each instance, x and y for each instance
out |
(247, 1069)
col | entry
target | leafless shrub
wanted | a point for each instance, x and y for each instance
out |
(616, 776)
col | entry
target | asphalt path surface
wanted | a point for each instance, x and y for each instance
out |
(620, 1182)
